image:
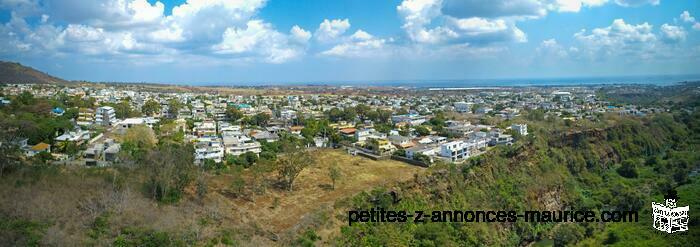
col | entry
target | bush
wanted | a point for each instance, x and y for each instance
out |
(307, 239)
(132, 236)
(628, 169)
(19, 232)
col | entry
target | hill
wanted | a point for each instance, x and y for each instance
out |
(14, 73)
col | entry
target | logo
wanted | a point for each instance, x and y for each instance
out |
(669, 218)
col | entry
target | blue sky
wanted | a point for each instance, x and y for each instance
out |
(274, 41)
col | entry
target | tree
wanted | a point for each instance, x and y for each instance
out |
(349, 114)
(202, 187)
(233, 114)
(405, 130)
(372, 115)
(123, 110)
(137, 141)
(291, 164)
(628, 169)
(237, 181)
(362, 110)
(384, 116)
(260, 119)
(9, 155)
(335, 114)
(259, 171)
(169, 169)
(334, 173)
(422, 130)
(422, 158)
(151, 107)
(568, 234)
(174, 107)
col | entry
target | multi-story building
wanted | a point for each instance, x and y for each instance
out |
(237, 145)
(463, 106)
(105, 116)
(86, 116)
(208, 148)
(520, 129)
(456, 151)
(205, 129)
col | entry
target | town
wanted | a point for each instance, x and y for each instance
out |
(418, 126)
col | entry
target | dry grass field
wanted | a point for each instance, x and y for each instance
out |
(70, 200)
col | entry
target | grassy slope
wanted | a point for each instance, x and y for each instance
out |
(75, 206)
(550, 171)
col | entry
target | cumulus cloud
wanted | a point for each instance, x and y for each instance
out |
(619, 38)
(138, 27)
(109, 14)
(258, 38)
(672, 34)
(329, 30)
(300, 35)
(359, 44)
(551, 48)
(575, 5)
(686, 17)
(636, 3)
(460, 25)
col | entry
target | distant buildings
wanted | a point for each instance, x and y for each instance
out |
(412, 119)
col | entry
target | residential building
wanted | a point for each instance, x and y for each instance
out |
(86, 116)
(105, 116)
(520, 129)
(456, 151)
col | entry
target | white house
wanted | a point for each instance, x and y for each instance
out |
(463, 106)
(412, 119)
(456, 151)
(520, 129)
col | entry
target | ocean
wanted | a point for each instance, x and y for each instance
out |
(660, 80)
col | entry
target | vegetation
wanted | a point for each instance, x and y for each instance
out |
(290, 165)
(615, 164)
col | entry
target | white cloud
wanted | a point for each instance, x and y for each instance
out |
(636, 3)
(300, 35)
(329, 30)
(551, 49)
(575, 5)
(359, 44)
(82, 33)
(108, 14)
(616, 39)
(686, 17)
(218, 29)
(361, 35)
(672, 34)
(462, 26)
(696, 26)
(257, 38)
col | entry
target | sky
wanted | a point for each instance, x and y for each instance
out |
(250, 42)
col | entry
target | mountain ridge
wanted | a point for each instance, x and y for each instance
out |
(16, 73)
